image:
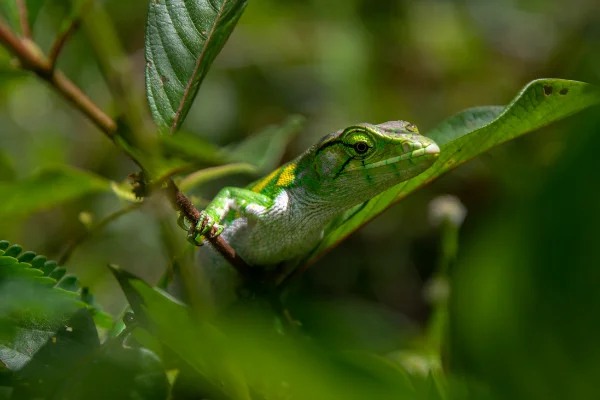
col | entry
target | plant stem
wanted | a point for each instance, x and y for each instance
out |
(60, 42)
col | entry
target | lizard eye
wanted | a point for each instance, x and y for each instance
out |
(361, 147)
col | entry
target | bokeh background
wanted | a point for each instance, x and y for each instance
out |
(525, 300)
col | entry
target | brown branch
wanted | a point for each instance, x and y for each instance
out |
(35, 63)
(24, 19)
(32, 60)
(62, 38)
(60, 42)
(183, 204)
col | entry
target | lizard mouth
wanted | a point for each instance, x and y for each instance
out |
(431, 151)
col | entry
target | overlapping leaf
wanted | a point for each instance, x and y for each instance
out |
(471, 133)
(197, 343)
(183, 37)
(37, 297)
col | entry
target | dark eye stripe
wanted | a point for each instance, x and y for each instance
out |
(343, 166)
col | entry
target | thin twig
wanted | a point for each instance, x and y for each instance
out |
(62, 38)
(60, 42)
(183, 204)
(24, 19)
(98, 226)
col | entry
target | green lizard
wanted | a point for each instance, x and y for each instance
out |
(283, 216)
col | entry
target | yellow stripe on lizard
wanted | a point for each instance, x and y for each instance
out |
(265, 181)
(287, 175)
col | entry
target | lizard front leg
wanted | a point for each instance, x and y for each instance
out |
(246, 202)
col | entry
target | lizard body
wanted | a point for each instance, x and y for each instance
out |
(283, 216)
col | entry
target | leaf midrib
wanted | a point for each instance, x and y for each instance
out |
(198, 62)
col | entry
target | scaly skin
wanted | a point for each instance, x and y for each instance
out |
(282, 216)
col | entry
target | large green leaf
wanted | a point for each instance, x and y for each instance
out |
(183, 37)
(197, 343)
(36, 298)
(72, 364)
(471, 133)
(47, 188)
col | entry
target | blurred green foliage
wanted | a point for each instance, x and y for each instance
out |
(523, 289)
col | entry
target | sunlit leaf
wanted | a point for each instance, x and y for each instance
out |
(473, 132)
(256, 155)
(47, 188)
(206, 175)
(183, 37)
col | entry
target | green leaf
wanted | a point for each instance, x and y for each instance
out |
(196, 342)
(258, 154)
(47, 188)
(206, 175)
(73, 365)
(34, 306)
(191, 147)
(266, 148)
(471, 133)
(183, 37)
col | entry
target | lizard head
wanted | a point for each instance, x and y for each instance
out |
(364, 159)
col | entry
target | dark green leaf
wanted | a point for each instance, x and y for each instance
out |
(72, 365)
(13, 251)
(35, 312)
(48, 267)
(537, 105)
(183, 37)
(197, 343)
(34, 306)
(26, 257)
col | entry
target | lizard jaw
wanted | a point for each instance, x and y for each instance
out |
(431, 150)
